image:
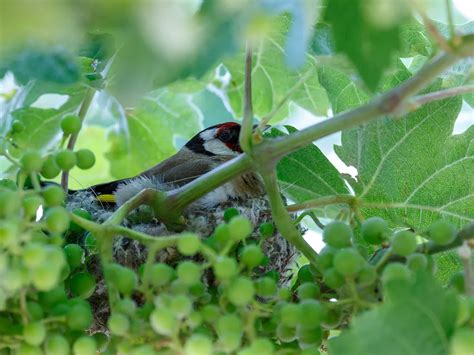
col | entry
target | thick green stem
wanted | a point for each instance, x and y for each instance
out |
(245, 138)
(282, 219)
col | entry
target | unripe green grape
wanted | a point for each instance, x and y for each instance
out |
(229, 342)
(266, 229)
(159, 274)
(31, 205)
(85, 159)
(194, 320)
(241, 291)
(31, 162)
(337, 235)
(286, 334)
(220, 238)
(181, 306)
(163, 321)
(34, 310)
(225, 268)
(84, 345)
(50, 169)
(197, 290)
(123, 278)
(210, 313)
(262, 346)
(348, 262)
(26, 349)
(10, 203)
(56, 344)
(52, 297)
(403, 243)
(57, 219)
(71, 124)
(462, 342)
(265, 287)
(79, 317)
(463, 313)
(188, 244)
(65, 159)
(34, 333)
(308, 290)
(230, 213)
(90, 242)
(252, 256)
(290, 314)
(312, 350)
(198, 344)
(17, 126)
(13, 279)
(311, 313)
(374, 230)
(395, 272)
(333, 278)
(188, 272)
(34, 255)
(308, 337)
(442, 232)
(74, 255)
(367, 276)
(73, 227)
(284, 293)
(457, 281)
(82, 285)
(305, 274)
(53, 195)
(126, 306)
(8, 233)
(118, 324)
(229, 324)
(240, 228)
(417, 261)
(332, 318)
(102, 340)
(45, 277)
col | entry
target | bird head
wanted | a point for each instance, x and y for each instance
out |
(221, 140)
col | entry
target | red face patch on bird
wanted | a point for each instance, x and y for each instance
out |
(228, 133)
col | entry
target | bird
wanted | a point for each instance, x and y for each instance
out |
(205, 151)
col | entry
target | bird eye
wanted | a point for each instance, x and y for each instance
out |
(225, 136)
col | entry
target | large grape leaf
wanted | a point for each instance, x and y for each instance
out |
(272, 80)
(161, 117)
(416, 318)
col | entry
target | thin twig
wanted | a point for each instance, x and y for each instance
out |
(247, 121)
(449, 11)
(433, 30)
(440, 95)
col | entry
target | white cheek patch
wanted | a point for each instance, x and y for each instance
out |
(216, 147)
(208, 135)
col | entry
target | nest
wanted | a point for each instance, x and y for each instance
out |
(132, 254)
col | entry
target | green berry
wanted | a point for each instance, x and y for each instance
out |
(163, 321)
(241, 291)
(85, 159)
(26, 349)
(31, 205)
(308, 337)
(79, 317)
(71, 124)
(284, 294)
(126, 306)
(57, 219)
(198, 344)
(56, 344)
(50, 169)
(252, 256)
(266, 229)
(53, 195)
(417, 261)
(348, 262)
(35, 311)
(265, 287)
(311, 313)
(31, 162)
(367, 276)
(210, 313)
(181, 306)
(65, 159)
(403, 243)
(462, 342)
(229, 324)
(337, 235)
(395, 272)
(333, 278)
(85, 345)
(225, 268)
(34, 333)
(188, 272)
(74, 255)
(53, 297)
(286, 334)
(374, 230)
(308, 290)
(82, 284)
(290, 314)
(118, 324)
(90, 242)
(34, 255)
(442, 232)
(73, 227)
(124, 279)
(457, 281)
(160, 274)
(10, 204)
(240, 228)
(230, 213)
(188, 244)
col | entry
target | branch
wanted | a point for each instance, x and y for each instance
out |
(247, 121)
(440, 95)
(72, 140)
(282, 219)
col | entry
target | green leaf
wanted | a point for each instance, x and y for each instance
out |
(414, 40)
(322, 43)
(55, 65)
(272, 80)
(416, 318)
(307, 174)
(161, 117)
(369, 43)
